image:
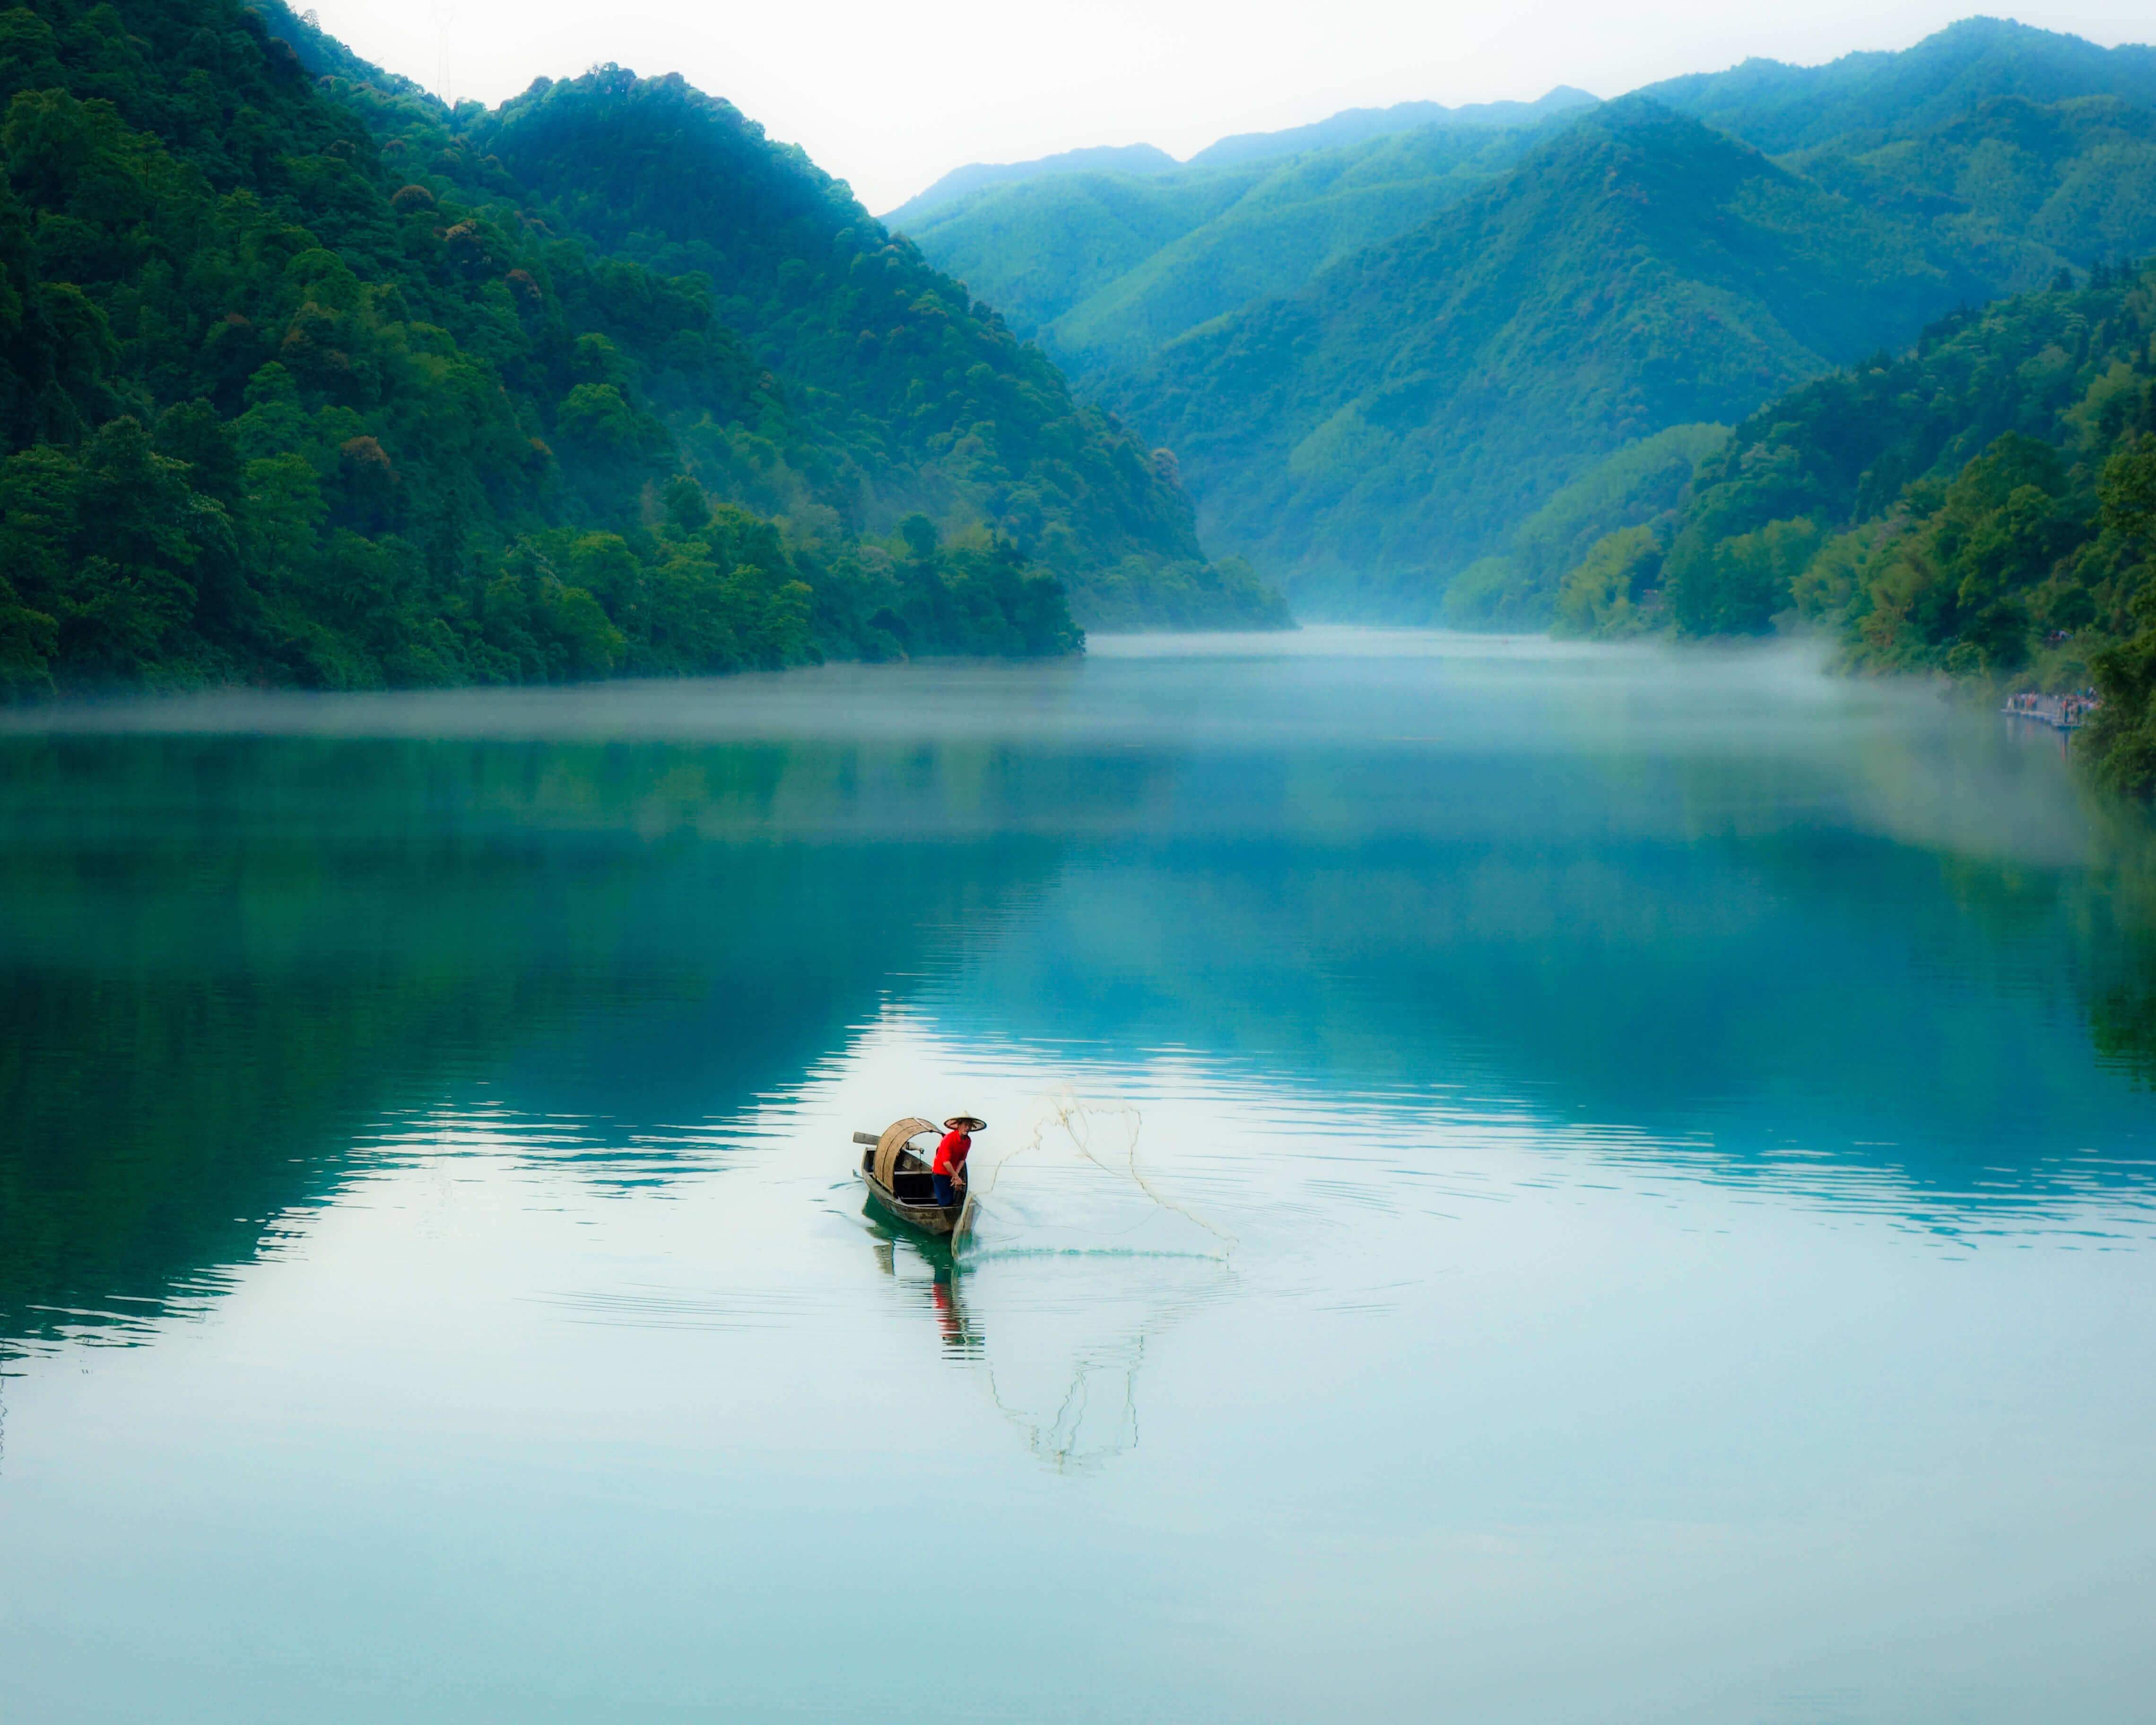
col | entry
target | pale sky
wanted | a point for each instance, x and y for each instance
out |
(889, 96)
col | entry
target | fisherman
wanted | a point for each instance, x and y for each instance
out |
(948, 1171)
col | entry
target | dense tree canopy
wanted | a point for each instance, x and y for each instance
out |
(1983, 504)
(900, 391)
(1108, 265)
(299, 383)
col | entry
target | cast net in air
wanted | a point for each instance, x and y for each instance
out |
(1072, 1177)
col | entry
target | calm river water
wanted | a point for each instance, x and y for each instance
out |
(1682, 1123)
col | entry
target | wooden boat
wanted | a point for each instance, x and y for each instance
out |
(898, 1176)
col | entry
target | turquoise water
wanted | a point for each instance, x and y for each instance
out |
(1682, 1124)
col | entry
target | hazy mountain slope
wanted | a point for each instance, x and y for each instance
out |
(1350, 126)
(908, 395)
(1036, 249)
(1378, 430)
(1782, 108)
(1642, 486)
(2013, 186)
(1355, 126)
(976, 175)
(1105, 269)
(1303, 215)
(1881, 228)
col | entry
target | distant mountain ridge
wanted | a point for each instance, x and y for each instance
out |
(1351, 126)
(1781, 108)
(1103, 267)
(1377, 363)
(1355, 125)
(1375, 433)
(1098, 158)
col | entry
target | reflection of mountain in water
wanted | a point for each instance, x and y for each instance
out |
(1757, 974)
(221, 960)
(224, 959)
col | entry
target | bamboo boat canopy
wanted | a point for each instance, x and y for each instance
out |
(895, 1137)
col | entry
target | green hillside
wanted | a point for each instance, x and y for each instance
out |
(1104, 267)
(902, 393)
(1882, 442)
(2014, 187)
(1623, 501)
(1376, 364)
(1122, 159)
(1983, 504)
(1277, 235)
(1381, 431)
(1036, 249)
(1376, 433)
(299, 384)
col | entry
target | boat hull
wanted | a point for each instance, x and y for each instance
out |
(928, 1218)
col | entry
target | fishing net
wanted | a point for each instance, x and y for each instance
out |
(1072, 1179)
(1072, 1258)
(1064, 1342)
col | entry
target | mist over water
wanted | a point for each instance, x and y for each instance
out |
(1682, 1123)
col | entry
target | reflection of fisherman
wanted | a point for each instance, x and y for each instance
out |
(948, 1170)
(950, 1320)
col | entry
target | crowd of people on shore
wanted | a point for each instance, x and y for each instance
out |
(2068, 708)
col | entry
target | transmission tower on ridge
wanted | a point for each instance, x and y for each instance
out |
(445, 14)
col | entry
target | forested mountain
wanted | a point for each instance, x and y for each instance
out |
(1383, 431)
(1140, 159)
(1105, 267)
(1379, 431)
(1351, 126)
(1357, 125)
(1984, 504)
(1378, 365)
(900, 393)
(1036, 249)
(1870, 97)
(299, 382)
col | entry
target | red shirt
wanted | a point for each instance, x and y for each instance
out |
(951, 1153)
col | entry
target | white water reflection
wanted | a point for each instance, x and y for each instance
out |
(1501, 1377)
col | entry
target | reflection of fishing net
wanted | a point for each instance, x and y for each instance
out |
(1064, 1342)
(1072, 1179)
